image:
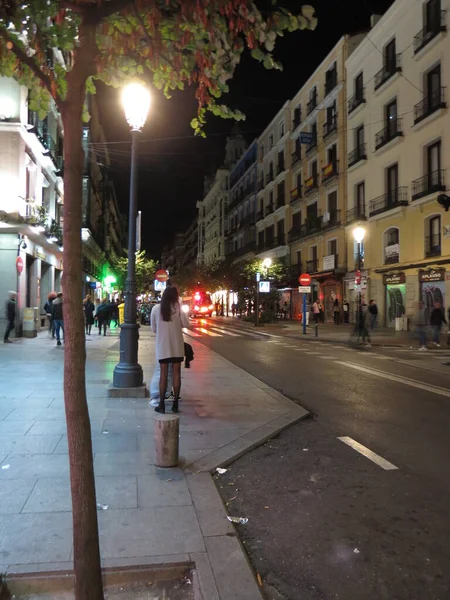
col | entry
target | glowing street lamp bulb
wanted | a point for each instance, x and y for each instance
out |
(136, 102)
(358, 234)
(267, 262)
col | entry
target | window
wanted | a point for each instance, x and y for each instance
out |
(434, 173)
(359, 87)
(313, 253)
(391, 118)
(433, 236)
(271, 197)
(281, 129)
(312, 100)
(269, 234)
(390, 56)
(280, 232)
(280, 194)
(298, 256)
(391, 246)
(296, 220)
(359, 137)
(314, 134)
(297, 116)
(311, 211)
(298, 183)
(313, 168)
(361, 199)
(331, 113)
(280, 168)
(332, 204)
(271, 141)
(261, 239)
(271, 171)
(392, 184)
(332, 248)
(332, 155)
(261, 152)
(331, 79)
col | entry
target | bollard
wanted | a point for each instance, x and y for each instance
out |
(167, 428)
(316, 330)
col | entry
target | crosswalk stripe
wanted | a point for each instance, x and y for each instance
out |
(328, 357)
(225, 331)
(190, 333)
(211, 333)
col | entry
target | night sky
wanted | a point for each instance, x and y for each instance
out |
(173, 162)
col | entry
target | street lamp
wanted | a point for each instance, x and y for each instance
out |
(358, 234)
(128, 372)
(266, 264)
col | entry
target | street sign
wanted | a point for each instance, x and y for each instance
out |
(304, 279)
(19, 265)
(258, 277)
(160, 286)
(264, 287)
(357, 277)
(304, 289)
(305, 137)
(162, 275)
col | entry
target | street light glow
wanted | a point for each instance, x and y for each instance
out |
(358, 234)
(136, 102)
(267, 262)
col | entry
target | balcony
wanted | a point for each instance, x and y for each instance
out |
(296, 194)
(246, 248)
(356, 100)
(311, 105)
(329, 127)
(331, 83)
(311, 184)
(272, 243)
(280, 168)
(295, 234)
(312, 265)
(269, 209)
(312, 225)
(331, 219)
(295, 157)
(393, 199)
(358, 213)
(429, 32)
(356, 155)
(247, 220)
(429, 105)
(433, 245)
(330, 171)
(392, 130)
(428, 184)
(392, 67)
(312, 146)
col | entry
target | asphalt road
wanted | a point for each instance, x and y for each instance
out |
(325, 520)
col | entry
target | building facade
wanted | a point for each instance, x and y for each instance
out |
(318, 191)
(31, 202)
(213, 208)
(273, 217)
(190, 253)
(399, 156)
(240, 235)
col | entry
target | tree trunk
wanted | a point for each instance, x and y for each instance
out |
(87, 566)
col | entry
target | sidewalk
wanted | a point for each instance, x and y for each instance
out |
(328, 332)
(154, 516)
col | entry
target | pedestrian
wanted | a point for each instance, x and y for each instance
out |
(48, 312)
(233, 309)
(103, 313)
(89, 308)
(437, 319)
(167, 321)
(373, 312)
(420, 323)
(321, 313)
(362, 326)
(97, 304)
(346, 309)
(336, 311)
(316, 312)
(58, 317)
(10, 315)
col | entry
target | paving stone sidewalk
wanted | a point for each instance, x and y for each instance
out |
(154, 516)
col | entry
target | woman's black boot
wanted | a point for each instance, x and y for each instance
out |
(161, 408)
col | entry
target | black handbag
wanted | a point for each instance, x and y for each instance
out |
(188, 355)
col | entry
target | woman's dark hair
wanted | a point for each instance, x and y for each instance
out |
(169, 299)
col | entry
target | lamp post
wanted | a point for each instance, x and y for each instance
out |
(266, 263)
(128, 372)
(358, 234)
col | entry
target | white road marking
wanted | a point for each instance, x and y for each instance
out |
(376, 458)
(225, 331)
(328, 357)
(381, 357)
(191, 333)
(211, 333)
(312, 352)
(428, 387)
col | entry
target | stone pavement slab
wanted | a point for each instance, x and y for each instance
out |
(153, 515)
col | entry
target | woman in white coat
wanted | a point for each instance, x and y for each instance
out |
(167, 321)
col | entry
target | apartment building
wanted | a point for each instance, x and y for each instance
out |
(273, 215)
(240, 235)
(190, 252)
(213, 207)
(317, 192)
(399, 155)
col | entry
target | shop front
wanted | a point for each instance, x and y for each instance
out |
(395, 297)
(327, 286)
(432, 290)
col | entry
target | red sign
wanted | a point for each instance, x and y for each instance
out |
(305, 279)
(162, 275)
(19, 265)
(358, 277)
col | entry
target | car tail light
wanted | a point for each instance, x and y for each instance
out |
(196, 308)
